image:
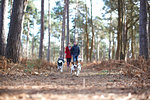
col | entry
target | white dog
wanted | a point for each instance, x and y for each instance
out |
(76, 68)
(60, 64)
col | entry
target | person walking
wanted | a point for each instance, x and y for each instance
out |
(68, 54)
(75, 51)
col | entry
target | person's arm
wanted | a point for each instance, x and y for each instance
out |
(65, 50)
(78, 51)
(71, 51)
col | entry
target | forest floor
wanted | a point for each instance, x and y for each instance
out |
(90, 85)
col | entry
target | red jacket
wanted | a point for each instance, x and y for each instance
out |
(68, 52)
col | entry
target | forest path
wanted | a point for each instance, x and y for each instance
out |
(90, 85)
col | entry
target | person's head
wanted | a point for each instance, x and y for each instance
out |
(75, 43)
(68, 44)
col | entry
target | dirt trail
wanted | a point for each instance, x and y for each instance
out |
(90, 85)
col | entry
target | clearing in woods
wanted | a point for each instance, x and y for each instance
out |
(90, 85)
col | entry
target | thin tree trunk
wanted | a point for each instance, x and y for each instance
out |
(113, 46)
(98, 46)
(27, 42)
(33, 46)
(143, 31)
(42, 30)
(132, 34)
(15, 30)
(124, 37)
(68, 35)
(92, 41)
(3, 16)
(119, 30)
(110, 36)
(149, 26)
(49, 31)
(82, 46)
(63, 31)
(87, 37)
(76, 12)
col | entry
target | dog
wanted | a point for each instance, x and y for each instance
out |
(60, 64)
(76, 68)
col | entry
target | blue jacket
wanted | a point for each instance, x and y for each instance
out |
(75, 51)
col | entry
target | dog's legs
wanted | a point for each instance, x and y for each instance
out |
(61, 69)
(57, 68)
(78, 72)
(71, 71)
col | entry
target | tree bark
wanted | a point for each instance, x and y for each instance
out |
(75, 32)
(68, 35)
(3, 16)
(113, 46)
(33, 46)
(119, 30)
(92, 41)
(110, 36)
(49, 31)
(131, 30)
(15, 29)
(87, 36)
(63, 31)
(149, 26)
(27, 42)
(143, 32)
(42, 30)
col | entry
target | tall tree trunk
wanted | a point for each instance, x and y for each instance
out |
(68, 35)
(27, 42)
(87, 36)
(119, 30)
(113, 46)
(92, 41)
(131, 29)
(15, 29)
(76, 15)
(149, 26)
(49, 31)
(143, 31)
(63, 31)
(3, 16)
(82, 47)
(33, 46)
(124, 29)
(98, 47)
(42, 30)
(110, 36)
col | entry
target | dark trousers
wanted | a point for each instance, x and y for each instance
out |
(68, 61)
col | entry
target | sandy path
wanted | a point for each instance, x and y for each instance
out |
(90, 85)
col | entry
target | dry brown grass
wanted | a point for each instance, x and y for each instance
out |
(132, 67)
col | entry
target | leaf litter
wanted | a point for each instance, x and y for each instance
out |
(105, 80)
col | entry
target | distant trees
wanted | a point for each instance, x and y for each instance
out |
(88, 30)
(15, 29)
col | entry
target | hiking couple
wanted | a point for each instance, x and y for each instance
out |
(73, 51)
